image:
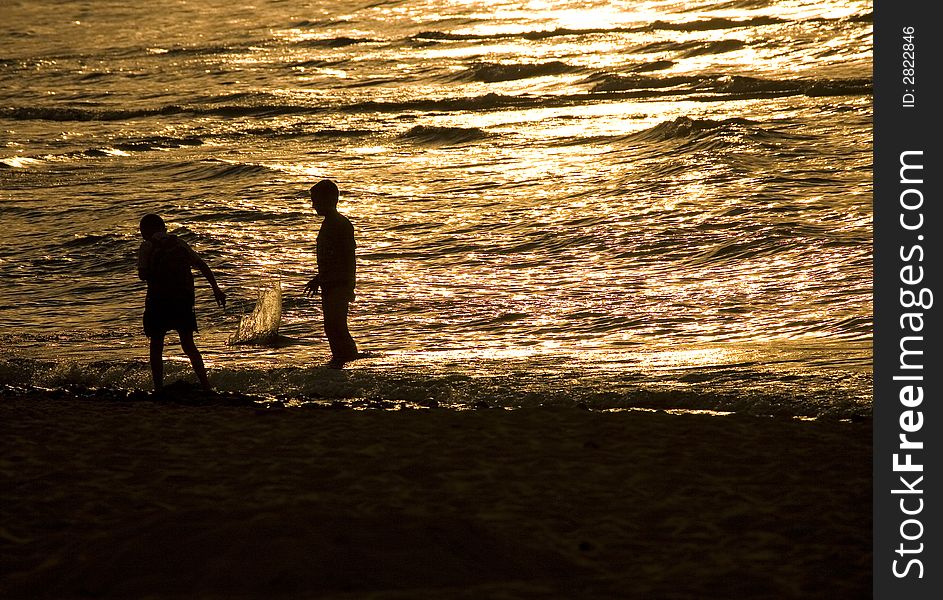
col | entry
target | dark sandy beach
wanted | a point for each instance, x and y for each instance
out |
(137, 499)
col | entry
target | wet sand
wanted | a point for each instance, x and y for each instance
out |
(137, 499)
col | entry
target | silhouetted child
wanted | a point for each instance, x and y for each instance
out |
(337, 271)
(164, 262)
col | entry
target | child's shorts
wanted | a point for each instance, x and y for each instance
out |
(161, 317)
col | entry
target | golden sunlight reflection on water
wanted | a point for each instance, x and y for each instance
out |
(627, 185)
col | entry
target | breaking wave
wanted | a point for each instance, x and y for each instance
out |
(685, 127)
(363, 387)
(491, 73)
(733, 85)
(210, 169)
(443, 136)
(602, 83)
(696, 25)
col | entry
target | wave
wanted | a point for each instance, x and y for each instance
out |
(734, 252)
(621, 83)
(168, 142)
(736, 85)
(862, 18)
(96, 75)
(443, 136)
(246, 215)
(107, 241)
(491, 73)
(696, 25)
(716, 23)
(19, 162)
(489, 101)
(604, 86)
(317, 24)
(693, 48)
(838, 87)
(118, 149)
(56, 113)
(157, 143)
(527, 35)
(685, 128)
(708, 134)
(67, 113)
(237, 104)
(655, 65)
(335, 42)
(317, 63)
(206, 50)
(209, 169)
(303, 130)
(761, 392)
(103, 256)
(738, 4)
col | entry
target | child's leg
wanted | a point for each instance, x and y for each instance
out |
(196, 359)
(157, 361)
(335, 306)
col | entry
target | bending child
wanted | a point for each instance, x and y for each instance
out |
(164, 262)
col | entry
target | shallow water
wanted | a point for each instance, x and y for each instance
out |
(614, 202)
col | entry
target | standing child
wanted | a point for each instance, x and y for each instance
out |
(164, 262)
(337, 271)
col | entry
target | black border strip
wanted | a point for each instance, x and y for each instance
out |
(908, 269)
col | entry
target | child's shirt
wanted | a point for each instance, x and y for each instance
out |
(164, 262)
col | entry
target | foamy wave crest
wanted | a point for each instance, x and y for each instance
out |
(443, 136)
(119, 149)
(684, 127)
(58, 374)
(392, 389)
(19, 162)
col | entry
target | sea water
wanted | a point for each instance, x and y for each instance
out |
(623, 204)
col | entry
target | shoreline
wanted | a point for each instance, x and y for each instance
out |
(133, 499)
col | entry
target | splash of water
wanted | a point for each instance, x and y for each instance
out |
(261, 325)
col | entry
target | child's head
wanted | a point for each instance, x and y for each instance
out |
(324, 195)
(151, 224)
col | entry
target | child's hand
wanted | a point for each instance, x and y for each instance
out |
(312, 286)
(220, 296)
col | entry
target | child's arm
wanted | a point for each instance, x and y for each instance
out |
(219, 294)
(204, 268)
(144, 259)
(311, 288)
